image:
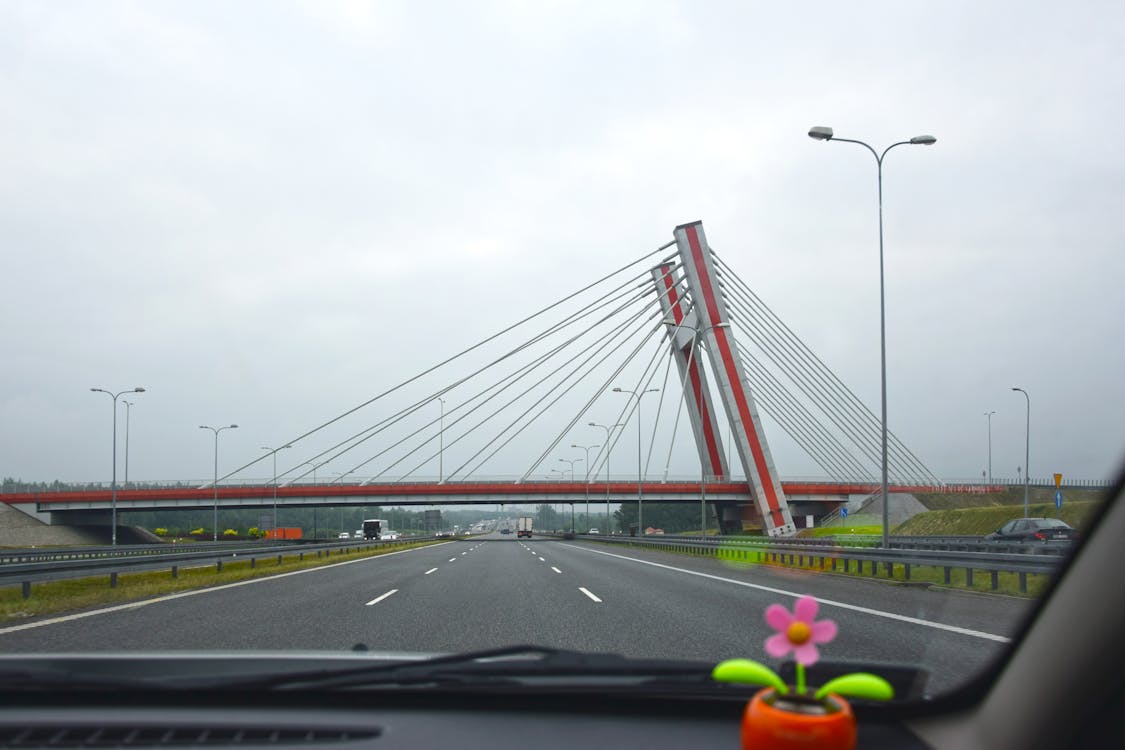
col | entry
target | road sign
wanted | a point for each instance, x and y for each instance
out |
(843, 512)
(1058, 481)
(1058, 498)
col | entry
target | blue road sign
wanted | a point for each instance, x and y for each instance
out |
(844, 511)
(1058, 499)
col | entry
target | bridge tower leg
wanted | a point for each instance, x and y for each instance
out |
(700, 407)
(726, 364)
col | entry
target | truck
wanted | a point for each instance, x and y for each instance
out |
(523, 527)
(373, 528)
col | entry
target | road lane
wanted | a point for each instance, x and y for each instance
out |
(480, 594)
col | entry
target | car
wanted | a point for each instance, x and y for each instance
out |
(593, 531)
(505, 530)
(1034, 530)
(343, 535)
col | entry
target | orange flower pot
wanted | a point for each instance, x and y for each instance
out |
(782, 722)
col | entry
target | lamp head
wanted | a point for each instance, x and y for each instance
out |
(820, 133)
(923, 140)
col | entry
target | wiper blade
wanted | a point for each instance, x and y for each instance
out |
(510, 665)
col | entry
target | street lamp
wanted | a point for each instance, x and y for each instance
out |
(1027, 452)
(113, 481)
(696, 333)
(989, 415)
(821, 133)
(608, 454)
(572, 462)
(215, 484)
(640, 507)
(587, 449)
(273, 454)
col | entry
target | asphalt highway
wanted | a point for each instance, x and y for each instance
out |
(496, 590)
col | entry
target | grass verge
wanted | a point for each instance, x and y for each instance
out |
(920, 575)
(58, 597)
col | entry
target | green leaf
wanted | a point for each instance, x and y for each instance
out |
(748, 672)
(858, 685)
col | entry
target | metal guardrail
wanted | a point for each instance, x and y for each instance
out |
(81, 566)
(948, 543)
(835, 557)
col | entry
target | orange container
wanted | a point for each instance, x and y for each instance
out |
(788, 722)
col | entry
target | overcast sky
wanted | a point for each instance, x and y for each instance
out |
(267, 212)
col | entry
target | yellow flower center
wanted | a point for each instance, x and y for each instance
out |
(798, 632)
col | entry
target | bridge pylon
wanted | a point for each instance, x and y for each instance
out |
(706, 325)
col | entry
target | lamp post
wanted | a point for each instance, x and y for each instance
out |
(572, 462)
(273, 454)
(441, 443)
(609, 454)
(587, 448)
(825, 134)
(215, 484)
(113, 475)
(1027, 453)
(989, 415)
(640, 507)
(128, 406)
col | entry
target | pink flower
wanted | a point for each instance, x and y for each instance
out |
(798, 632)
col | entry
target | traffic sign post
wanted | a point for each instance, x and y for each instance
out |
(843, 515)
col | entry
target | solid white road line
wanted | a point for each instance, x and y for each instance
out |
(431, 570)
(826, 602)
(587, 593)
(378, 599)
(555, 569)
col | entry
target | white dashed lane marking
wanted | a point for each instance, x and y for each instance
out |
(586, 591)
(431, 570)
(555, 569)
(378, 599)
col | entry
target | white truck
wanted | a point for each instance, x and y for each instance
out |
(523, 526)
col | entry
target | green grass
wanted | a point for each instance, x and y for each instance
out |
(1009, 496)
(57, 597)
(985, 520)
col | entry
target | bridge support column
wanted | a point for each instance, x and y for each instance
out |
(726, 365)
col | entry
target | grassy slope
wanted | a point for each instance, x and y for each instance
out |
(984, 520)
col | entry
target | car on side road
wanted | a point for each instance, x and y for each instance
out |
(1034, 530)
(593, 531)
(343, 535)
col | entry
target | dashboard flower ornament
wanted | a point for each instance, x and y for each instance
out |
(784, 716)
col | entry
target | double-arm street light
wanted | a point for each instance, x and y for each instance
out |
(113, 475)
(825, 134)
(640, 506)
(608, 454)
(273, 454)
(215, 484)
(1026, 453)
(586, 448)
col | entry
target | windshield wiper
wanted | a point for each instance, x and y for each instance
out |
(515, 665)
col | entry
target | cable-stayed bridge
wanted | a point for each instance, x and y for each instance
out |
(672, 351)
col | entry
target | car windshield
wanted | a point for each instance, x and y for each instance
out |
(419, 329)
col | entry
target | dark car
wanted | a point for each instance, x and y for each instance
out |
(1034, 530)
